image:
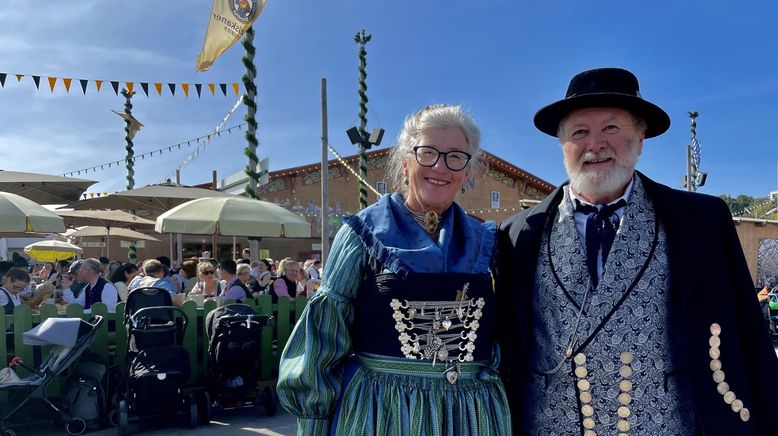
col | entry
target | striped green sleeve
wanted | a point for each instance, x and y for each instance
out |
(310, 371)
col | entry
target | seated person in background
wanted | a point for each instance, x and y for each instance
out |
(121, 276)
(166, 265)
(75, 284)
(189, 274)
(235, 289)
(15, 281)
(104, 264)
(207, 283)
(98, 289)
(243, 271)
(155, 277)
(286, 285)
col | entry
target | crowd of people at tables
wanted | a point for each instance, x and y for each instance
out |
(89, 281)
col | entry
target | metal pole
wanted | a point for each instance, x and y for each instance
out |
(325, 176)
(179, 241)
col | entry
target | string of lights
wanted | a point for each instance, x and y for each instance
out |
(205, 143)
(170, 148)
(351, 170)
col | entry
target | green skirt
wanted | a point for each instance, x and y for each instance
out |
(394, 396)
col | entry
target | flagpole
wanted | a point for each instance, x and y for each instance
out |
(325, 176)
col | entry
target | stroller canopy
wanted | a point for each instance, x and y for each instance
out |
(58, 331)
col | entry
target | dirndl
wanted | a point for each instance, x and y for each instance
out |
(396, 396)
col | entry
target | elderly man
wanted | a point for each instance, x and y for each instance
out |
(98, 289)
(155, 277)
(627, 305)
(235, 289)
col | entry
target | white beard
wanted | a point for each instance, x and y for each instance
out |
(595, 183)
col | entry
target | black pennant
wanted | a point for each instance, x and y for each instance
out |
(145, 87)
(223, 87)
(84, 83)
(37, 80)
(172, 87)
(115, 86)
(2, 79)
(198, 87)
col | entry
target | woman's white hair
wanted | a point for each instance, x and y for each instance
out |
(430, 117)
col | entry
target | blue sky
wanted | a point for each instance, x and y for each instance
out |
(501, 59)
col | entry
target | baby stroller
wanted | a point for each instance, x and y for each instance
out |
(69, 337)
(159, 366)
(235, 333)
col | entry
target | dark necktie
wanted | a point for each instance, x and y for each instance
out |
(600, 233)
(88, 296)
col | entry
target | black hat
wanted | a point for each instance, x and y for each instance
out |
(75, 266)
(603, 87)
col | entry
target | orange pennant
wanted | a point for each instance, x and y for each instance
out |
(67, 84)
(158, 87)
(211, 87)
(185, 87)
(129, 86)
(52, 82)
(236, 87)
(98, 84)
(19, 77)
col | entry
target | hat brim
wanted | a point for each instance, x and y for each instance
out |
(548, 118)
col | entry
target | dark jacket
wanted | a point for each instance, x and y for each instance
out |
(710, 283)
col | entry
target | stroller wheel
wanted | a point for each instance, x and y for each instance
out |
(113, 417)
(205, 408)
(76, 426)
(124, 418)
(192, 403)
(269, 401)
(8, 432)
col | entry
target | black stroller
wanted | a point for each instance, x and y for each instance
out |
(235, 333)
(159, 366)
(69, 337)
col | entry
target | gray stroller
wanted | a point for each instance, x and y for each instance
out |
(69, 337)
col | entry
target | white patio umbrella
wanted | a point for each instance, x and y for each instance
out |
(51, 250)
(116, 232)
(107, 219)
(18, 214)
(153, 198)
(43, 188)
(233, 216)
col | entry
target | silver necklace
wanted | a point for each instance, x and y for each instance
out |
(429, 221)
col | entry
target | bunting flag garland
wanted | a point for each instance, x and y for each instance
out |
(84, 84)
(159, 152)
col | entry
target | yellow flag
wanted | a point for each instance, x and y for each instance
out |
(130, 85)
(98, 84)
(211, 87)
(67, 84)
(236, 87)
(229, 21)
(158, 87)
(52, 82)
(185, 87)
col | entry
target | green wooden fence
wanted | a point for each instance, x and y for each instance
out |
(111, 338)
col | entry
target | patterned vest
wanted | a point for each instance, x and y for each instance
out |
(621, 376)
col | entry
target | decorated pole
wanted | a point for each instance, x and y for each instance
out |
(362, 38)
(693, 173)
(132, 252)
(249, 79)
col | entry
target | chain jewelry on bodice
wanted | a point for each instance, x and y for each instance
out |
(442, 331)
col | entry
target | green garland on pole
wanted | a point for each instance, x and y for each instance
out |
(251, 110)
(132, 252)
(249, 98)
(362, 38)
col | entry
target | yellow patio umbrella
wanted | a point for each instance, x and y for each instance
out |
(52, 250)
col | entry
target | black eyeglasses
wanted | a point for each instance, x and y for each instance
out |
(428, 156)
(209, 272)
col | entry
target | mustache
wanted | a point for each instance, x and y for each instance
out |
(590, 156)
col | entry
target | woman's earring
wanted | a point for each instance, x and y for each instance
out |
(405, 182)
(463, 189)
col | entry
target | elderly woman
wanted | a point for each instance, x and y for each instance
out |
(287, 284)
(399, 339)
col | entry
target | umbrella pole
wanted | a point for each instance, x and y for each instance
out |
(234, 256)
(171, 246)
(108, 242)
(213, 246)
